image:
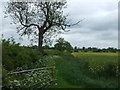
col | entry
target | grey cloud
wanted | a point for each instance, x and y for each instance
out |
(100, 39)
(99, 28)
(98, 16)
(87, 41)
(103, 23)
(109, 21)
(109, 36)
(79, 9)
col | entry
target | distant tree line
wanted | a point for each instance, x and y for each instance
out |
(95, 49)
(63, 45)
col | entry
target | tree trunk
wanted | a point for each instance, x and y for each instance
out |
(40, 42)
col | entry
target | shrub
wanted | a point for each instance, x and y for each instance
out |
(14, 55)
(53, 52)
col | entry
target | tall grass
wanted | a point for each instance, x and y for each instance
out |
(75, 71)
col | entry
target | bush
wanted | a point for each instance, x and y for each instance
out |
(53, 52)
(14, 55)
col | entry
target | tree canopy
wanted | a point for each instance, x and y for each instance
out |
(63, 45)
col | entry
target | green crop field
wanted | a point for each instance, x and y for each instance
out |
(100, 65)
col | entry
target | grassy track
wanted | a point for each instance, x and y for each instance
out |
(67, 72)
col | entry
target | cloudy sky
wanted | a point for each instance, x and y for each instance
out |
(98, 29)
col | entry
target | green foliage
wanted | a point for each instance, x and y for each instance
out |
(4, 75)
(53, 52)
(95, 49)
(75, 72)
(35, 79)
(63, 45)
(18, 58)
(14, 55)
(75, 49)
(46, 47)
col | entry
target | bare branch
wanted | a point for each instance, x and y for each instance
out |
(77, 22)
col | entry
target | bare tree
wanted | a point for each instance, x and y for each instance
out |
(42, 19)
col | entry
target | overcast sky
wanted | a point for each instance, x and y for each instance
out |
(98, 29)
